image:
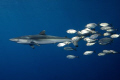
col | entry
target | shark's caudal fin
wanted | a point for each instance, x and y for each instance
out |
(75, 41)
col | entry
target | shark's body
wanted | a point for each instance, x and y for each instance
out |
(39, 39)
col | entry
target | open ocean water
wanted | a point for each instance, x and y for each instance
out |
(49, 62)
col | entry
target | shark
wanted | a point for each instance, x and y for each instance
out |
(41, 39)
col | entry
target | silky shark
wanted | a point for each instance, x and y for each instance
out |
(41, 38)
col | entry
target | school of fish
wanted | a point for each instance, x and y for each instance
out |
(91, 36)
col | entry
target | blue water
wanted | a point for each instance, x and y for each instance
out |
(49, 62)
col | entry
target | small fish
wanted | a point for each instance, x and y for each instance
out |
(84, 32)
(101, 54)
(89, 40)
(91, 25)
(67, 42)
(115, 36)
(90, 44)
(88, 52)
(71, 31)
(111, 30)
(71, 56)
(104, 24)
(61, 44)
(105, 41)
(69, 48)
(107, 34)
(113, 51)
(107, 51)
(105, 28)
(94, 36)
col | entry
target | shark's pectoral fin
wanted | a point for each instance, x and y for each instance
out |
(32, 46)
(42, 32)
(33, 43)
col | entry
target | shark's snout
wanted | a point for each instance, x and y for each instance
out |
(13, 39)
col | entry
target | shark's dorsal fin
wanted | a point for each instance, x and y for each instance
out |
(42, 32)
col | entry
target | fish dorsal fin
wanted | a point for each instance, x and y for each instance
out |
(42, 32)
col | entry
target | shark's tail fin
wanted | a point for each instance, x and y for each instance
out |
(75, 40)
(75, 43)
